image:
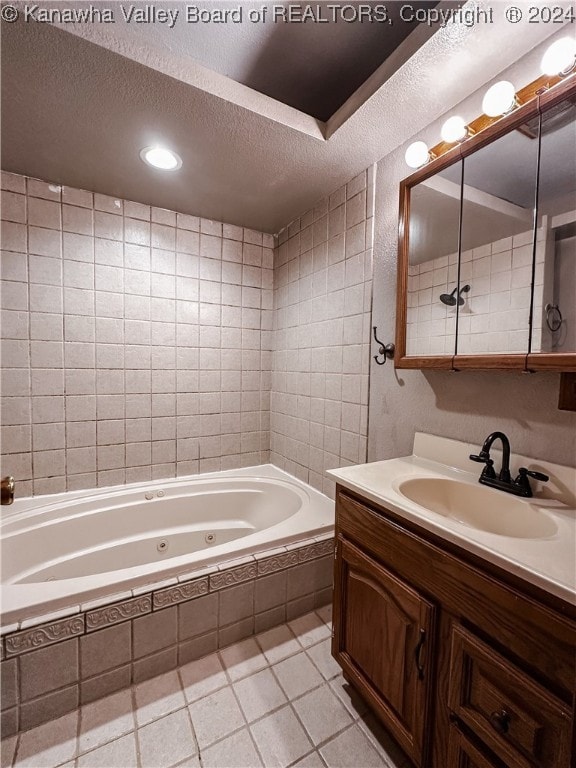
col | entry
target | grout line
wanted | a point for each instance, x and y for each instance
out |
(78, 726)
(187, 707)
(260, 757)
(135, 720)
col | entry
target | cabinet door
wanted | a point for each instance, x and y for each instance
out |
(382, 639)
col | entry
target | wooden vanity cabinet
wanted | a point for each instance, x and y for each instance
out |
(465, 665)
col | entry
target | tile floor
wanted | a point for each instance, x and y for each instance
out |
(277, 699)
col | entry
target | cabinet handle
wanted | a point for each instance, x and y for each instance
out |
(417, 652)
(500, 720)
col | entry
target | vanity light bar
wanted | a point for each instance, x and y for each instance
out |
(558, 62)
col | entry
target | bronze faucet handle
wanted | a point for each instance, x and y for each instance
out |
(488, 470)
(535, 475)
(7, 486)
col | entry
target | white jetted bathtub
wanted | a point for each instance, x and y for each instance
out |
(67, 548)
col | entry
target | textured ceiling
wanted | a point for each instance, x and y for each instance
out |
(313, 67)
(78, 105)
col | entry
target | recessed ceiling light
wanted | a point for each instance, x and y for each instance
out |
(159, 157)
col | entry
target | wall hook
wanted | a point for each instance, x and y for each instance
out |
(386, 350)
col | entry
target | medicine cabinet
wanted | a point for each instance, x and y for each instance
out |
(487, 246)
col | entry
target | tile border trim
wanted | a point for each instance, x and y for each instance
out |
(47, 634)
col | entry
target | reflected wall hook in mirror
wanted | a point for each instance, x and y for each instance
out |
(553, 317)
(386, 351)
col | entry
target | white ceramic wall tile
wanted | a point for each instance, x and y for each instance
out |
(114, 318)
(322, 286)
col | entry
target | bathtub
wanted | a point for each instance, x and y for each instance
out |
(62, 550)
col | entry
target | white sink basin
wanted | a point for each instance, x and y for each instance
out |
(479, 507)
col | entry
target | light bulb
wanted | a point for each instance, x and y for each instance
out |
(417, 154)
(158, 157)
(560, 57)
(499, 99)
(454, 129)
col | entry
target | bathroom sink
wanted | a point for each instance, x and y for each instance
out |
(479, 507)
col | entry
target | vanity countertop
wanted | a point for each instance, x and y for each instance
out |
(547, 561)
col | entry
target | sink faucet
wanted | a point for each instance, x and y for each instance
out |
(503, 481)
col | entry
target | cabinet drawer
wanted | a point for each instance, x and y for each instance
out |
(462, 753)
(522, 722)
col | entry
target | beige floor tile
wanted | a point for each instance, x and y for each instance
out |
(237, 751)
(348, 695)
(49, 744)
(382, 742)
(297, 675)
(322, 714)
(325, 614)
(350, 750)
(116, 754)
(167, 741)
(158, 697)
(313, 760)
(280, 738)
(322, 657)
(243, 659)
(202, 677)
(7, 749)
(215, 716)
(259, 694)
(278, 643)
(309, 629)
(105, 720)
(190, 762)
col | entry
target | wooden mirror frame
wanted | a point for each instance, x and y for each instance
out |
(539, 98)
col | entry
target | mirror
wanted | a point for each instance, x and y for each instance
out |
(433, 264)
(499, 199)
(554, 324)
(487, 250)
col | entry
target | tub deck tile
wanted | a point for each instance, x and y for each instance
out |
(7, 629)
(189, 576)
(100, 602)
(50, 617)
(235, 562)
(146, 588)
(269, 553)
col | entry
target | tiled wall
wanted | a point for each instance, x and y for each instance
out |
(322, 311)
(495, 315)
(136, 342)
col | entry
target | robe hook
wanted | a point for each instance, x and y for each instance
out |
(386, 350)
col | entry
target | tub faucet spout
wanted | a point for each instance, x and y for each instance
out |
(8, 485)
